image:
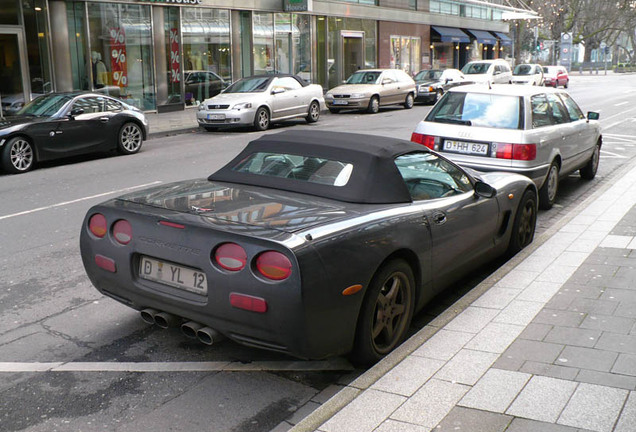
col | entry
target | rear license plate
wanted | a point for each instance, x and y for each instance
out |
(174, 275)
(216, 116)
(339, 102)
(466, 147)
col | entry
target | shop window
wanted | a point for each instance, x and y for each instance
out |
(121, 52)
(263, 33)
(207, 61)
(80, 68)
(37, 36)
(302, 46)
(9, 10)
(405, 54)
(172, 37)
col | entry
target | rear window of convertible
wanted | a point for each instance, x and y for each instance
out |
(478, 109)
(304, 168)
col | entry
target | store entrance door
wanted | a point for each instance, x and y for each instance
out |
(14, 81)
(352, 52)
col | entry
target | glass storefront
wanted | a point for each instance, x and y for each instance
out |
(172, 40)
(405, 54)
(37, 36)
(351, 45)
(78, 46)
(121, 52)
(206, 52)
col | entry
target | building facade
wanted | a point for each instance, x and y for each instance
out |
(170, 54)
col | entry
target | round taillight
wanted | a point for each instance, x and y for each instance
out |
(122, 231)
(230, 256)
(97, 225)
(273, 265)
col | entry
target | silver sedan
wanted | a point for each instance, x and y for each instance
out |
(259, 101)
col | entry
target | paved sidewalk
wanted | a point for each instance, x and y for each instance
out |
(172, 123)
(546, 344)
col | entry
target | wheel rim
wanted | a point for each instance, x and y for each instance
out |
(314, 111)
(375, 104)
(391, 311)
(526, 225)
(21, 155)
(263, 119)
(553, 181)
(409, 101)
(131, 138)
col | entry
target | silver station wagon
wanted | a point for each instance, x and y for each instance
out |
(539, 132)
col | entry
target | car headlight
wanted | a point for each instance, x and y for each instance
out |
(357, 95)
(329, 96)
(202, 106)
(242, 105)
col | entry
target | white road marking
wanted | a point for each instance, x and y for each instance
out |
(336, 364)
(631, 137)
(611, 155)
(77, 200)
(621, 103)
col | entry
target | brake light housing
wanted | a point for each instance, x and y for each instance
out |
(425, 140)
(97, 225)
(230, 256)
(524, 152)
(273, 265)
(122, 232)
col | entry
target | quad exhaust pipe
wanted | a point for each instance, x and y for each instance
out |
(191, 329)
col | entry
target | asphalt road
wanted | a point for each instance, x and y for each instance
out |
(71, 359)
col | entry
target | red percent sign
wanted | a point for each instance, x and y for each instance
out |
(118, 57)
(175, 73)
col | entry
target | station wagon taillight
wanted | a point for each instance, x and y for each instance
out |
(230, 256)
(273, 265)
(425, 140)
(525, 152)
(97, 225)
(122, 231)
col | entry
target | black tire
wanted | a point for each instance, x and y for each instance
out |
(408, 102)
(334, 110)
(386, 312)
(211, 128)
(566, 84)
(18, 155)
(261, 119)
(588, 172)
(524, 224)
(129, 139)
(314, 112)
(548, 192)
(374, 105)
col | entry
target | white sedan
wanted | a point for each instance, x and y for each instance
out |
(259, 101)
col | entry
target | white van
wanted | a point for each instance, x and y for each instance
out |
(488, 71)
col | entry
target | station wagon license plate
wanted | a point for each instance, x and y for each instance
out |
(216, 116)
(174, 275)
(339, 102)
(466, 147)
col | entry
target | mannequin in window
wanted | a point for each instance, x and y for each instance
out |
(100, 74)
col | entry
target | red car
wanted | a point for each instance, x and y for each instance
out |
(555, 76)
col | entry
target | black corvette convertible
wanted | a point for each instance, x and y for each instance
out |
(309, 243)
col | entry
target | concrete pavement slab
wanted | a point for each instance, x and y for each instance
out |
(408, 376)
(627, 422)
(519, 312)
(594, 407)
(495, 391)
(467, 366)
(444, 344)
(470, 420)
(542, 399)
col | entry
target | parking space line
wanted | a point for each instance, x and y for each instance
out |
(335, 364)
(77, 200)
(621, 103)
(611, 155)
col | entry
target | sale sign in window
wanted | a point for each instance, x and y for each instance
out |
(118, 57)
(175, 70)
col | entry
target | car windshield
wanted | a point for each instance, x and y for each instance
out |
(478, 109)
(523, 69)
(303, 168)
(364, 78)
(475, 68)
(429, 75)
(45, 106)
(249, 85)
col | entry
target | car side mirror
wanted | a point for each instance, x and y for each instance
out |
(591, 115)
(387, 81)
(278, 90)
(484, 190)
(76, 111)
(448, 80)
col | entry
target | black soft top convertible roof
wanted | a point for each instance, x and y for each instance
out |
(375, 178)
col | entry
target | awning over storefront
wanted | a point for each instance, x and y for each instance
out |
(503, 38)
(483, 37)
(451, 34)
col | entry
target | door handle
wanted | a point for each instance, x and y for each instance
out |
(104, 119)
(439, 218)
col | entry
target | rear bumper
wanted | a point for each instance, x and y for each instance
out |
(536, 174)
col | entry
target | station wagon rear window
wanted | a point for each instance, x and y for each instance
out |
(478, 109)
(304, 168)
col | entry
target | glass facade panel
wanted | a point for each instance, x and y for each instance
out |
(121, 52)
(9, 12)
(172, 35)
(206, 51)
(302, 46)
(11, 91)
(283, 44)
(263, 32)
(351, 46)
(37, 37)
(405, 54)
(80, 67)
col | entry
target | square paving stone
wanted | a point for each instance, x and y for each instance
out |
(495, 391)
(430, 404)
(625, 365)
(517, 279)
(559, 318)
(496, 298)
(587, 358)
(535, 332)
(533, 350)
(470, 420)
(573, 336)
(542, 399)
(619, 294)
(444, 344)
(408, 376)
(472, 320)
(495, 337)
(617, 342)
(467, 366)
(525, 425)
(627, 420)
(364, 413)
(519, 312)
(396, 426)
(614, 379)
(594, 407)
(626, 310)
(593, 306)
(608, 323)
(586, 291)
(549, 370)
